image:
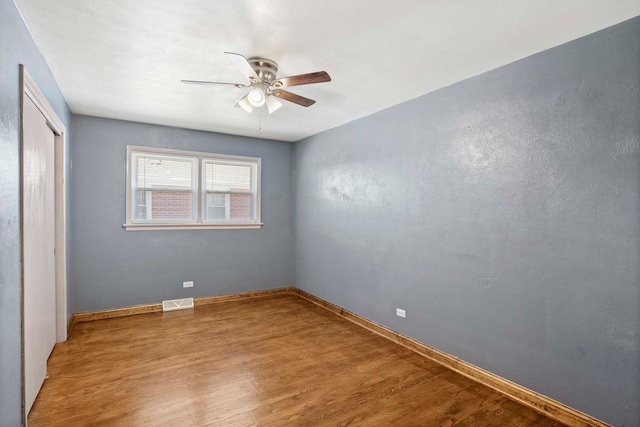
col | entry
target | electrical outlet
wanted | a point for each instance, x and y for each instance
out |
(400, 312)
(187, 284)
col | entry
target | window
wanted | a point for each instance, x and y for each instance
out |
(227, 191)
(164, 188)
(170, 189)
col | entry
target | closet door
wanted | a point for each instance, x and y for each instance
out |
(39, 248)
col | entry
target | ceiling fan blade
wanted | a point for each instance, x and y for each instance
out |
(243, 65)
(202, 82)
(303, 79)
(292, 97)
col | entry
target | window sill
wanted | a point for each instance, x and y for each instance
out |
(155, 227)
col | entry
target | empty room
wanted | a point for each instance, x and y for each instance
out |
(229, 213)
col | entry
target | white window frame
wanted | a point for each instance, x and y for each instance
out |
(197, 223)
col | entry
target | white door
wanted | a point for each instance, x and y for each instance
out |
(39, 245)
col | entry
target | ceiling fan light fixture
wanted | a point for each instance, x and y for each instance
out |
(256, 98)
(272, 104)
(245, 104)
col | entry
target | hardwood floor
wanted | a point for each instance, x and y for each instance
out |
(273, 361)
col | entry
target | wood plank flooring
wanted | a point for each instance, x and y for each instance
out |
(272, 361)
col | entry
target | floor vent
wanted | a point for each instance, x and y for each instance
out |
(177, 304)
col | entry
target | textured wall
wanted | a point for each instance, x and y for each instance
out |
(16, 47)
(502, 213)
(112, 267)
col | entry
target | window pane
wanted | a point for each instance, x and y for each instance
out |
(218, 200)
(164, 172)
(239, 207)
(233, 207)
(216, 209)
(171, 205)
(216, 214)
(164, 188)
(142, 204)
(225, 177)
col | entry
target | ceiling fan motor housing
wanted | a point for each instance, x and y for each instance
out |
(266, 69)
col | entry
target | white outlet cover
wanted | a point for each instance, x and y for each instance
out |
(187, 284)
(400, 312)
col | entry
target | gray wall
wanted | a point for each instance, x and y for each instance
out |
(502, 213)
(16, 47)
(112, 267)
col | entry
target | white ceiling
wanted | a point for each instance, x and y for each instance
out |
(124, 59)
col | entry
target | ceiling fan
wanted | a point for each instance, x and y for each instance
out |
(265, 87)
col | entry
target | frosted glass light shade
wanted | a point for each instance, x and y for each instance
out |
(273, 104)
(256, 98)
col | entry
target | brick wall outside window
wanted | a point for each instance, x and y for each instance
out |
(240, 205)
(170, 205)
(177, 205)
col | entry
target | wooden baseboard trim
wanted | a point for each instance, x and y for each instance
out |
(243, 295)
(543, 404)
(151, 308)
(90, 316)
(70, 323)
